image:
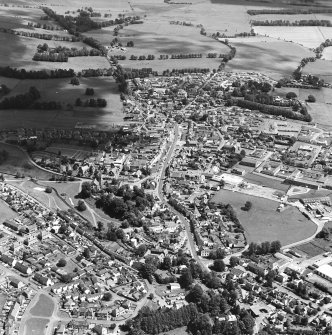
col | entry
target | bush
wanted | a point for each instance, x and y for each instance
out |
(89, 91)
(311, 98)
(75, 81)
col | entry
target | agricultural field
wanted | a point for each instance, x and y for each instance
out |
(309, 37)
(264, 223)
(271, 57)
(18, 161)
(61, 90)
(321, 68)
(321, 113)
(327, 54)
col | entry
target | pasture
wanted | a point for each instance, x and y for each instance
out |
(44, 306)
(321, 68)
(274, 58)
(18, 161)
(321, 113)
(264, 223)
(61, 90)
(327, 54)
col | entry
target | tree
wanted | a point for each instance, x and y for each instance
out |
(81, 206)
(100, 225)
(62, 263)
(233, 261)
(141, 250)
(218, 265)
(48, 189)
(75, 81)
(89, 91)
(85, 190)
(107, 296)
(195, 295)
(247, 206)
(186, 279)
(86, 253)
(311, 98)
(275, 246)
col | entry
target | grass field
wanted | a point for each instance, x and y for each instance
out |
(327, 54)
(321, 68)
(264, 223)
(271, 57)
(62, 91)
(18, 162)
(6, 212)
(36, 326)
(44, 306)
(309, 37)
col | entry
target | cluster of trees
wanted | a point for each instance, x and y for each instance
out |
(124, 203)
(100, 103)
(115, 58)
(4, 89)
(61, 54)
(21, 101)
(289, 11)
(120, 77)
(184, 56)
(303, 115)
(300, 23)
(175, 72)
(89, 91)
(142, 57)
(3, 156)
(264, 248)
(40, 36)
(130, 44)
(247, 206)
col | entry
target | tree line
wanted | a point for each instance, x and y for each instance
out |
(40, 36)
(101, 103)
(271, 110)
(300, 23)
(21, 101)
(289, 11)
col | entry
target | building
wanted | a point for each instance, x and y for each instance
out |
(325, 271)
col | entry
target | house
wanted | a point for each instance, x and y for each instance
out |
(8, 260)
(23, 269)
(42, 280)
(16, 283)
(174, 286)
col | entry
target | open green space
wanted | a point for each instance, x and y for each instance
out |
(264, 223)
(6, 212)
(18, 161)
(35, 326)
(44, 306)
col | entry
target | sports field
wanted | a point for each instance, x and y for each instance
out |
(264, 223)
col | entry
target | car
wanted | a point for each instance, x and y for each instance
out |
(63, 194)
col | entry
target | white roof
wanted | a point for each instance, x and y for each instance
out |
(326, 270)
(231, 179)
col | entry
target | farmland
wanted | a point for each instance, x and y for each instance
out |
(271, 57)
(321, 68)
(309, 37)
(264, 223)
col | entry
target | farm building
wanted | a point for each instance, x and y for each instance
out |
(323, 200)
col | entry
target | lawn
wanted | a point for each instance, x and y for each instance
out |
(18, 162)
(271, 57)
(264, 223)
(44, 306)
(321, 113)
(35, 326)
